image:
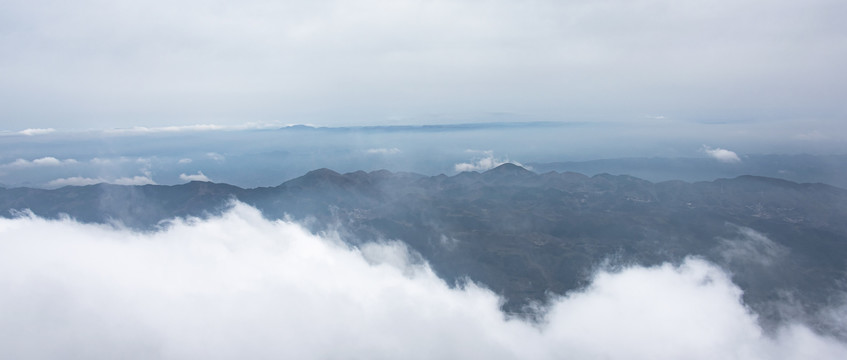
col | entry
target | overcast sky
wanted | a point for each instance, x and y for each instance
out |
(106, 64)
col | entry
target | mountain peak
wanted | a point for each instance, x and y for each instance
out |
(316, 177)
(509, 168)
(321, 173)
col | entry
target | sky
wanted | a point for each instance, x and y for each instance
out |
(240, 285)
(166, 92)
(775, 64)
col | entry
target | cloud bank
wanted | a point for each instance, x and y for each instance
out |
(343, 61)
(239, 286)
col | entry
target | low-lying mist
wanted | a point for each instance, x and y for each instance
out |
(240, 286)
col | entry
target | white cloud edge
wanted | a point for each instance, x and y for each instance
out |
(241, 282)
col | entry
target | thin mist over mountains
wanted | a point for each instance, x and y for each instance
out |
(267, 156)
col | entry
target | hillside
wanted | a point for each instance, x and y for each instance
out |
(524, 234)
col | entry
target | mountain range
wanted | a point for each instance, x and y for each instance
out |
(529, 236)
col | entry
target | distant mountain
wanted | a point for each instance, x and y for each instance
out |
(829, 169)
(525, 234)
(434, 128)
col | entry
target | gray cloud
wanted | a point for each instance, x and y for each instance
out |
(179, 63)
(242, 286)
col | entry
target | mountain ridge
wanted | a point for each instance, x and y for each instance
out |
(522, 234)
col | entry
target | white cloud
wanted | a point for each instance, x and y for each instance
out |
(383, 151)
(49, 161)
(184, 161)
(74, 181)
(241, 286)
(215, 156)
(139, 130)
(722, 155)
(44, 161)
(81, 181)
(486, 162)
(135, 180)
(199, 176)
(31, 132)
(109, 161)
(164, 129)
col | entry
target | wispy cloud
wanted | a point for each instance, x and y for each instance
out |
(383, 151)
(31, 132)
(241, 285)
(215, 156)
(199, 176)
(81, 181)
(184, 161)
(134, 180)
(812, 135)
(751, 247)
(722, 155)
